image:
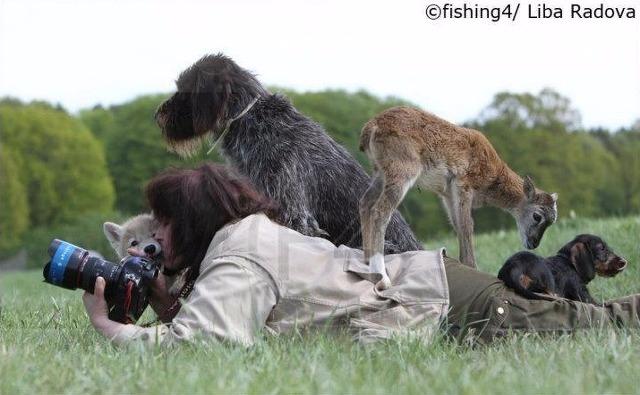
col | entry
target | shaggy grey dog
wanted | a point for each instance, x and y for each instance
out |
(287, 156)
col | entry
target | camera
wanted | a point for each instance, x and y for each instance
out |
(127, 282)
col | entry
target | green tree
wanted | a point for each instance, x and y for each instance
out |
(59, 162)
(14, 212)
(548, 110)
(626, 147)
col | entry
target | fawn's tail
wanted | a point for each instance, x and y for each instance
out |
(368, 130)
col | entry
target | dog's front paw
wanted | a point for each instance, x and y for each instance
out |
(309, 226)
(391, 248)
(315, 229)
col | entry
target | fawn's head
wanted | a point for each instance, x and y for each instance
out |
(537, 210)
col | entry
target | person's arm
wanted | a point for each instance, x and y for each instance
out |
(231, 300)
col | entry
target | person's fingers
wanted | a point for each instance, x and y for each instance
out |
(136, 252)
(99, 287)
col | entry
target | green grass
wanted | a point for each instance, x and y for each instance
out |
(48, 346)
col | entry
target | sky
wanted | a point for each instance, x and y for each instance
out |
(83, 53)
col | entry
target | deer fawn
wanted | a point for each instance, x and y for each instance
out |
(407, 145)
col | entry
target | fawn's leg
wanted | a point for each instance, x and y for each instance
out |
(462, 199)
(371, 195)
(447, 202)
(397, 182)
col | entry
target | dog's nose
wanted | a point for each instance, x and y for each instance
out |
(159, 115)
(150, 249)
(621, 264)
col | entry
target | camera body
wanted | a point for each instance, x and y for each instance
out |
(127, 282)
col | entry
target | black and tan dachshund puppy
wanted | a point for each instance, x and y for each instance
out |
(565, 274)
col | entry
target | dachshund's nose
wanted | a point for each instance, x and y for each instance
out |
(150, 249)
(621, 264)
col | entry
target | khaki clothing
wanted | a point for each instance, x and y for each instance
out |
(259, 275)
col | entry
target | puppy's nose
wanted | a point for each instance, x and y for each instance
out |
(150, 249)
(621, 264)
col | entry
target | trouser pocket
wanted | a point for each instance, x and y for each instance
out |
(557, 315)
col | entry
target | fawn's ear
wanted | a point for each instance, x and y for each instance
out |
(113, 233)
(529, 188)
(554, 196)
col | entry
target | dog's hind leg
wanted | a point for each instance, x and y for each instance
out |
(375, 216)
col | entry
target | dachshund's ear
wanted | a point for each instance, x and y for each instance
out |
(209, 102)
(582, 261)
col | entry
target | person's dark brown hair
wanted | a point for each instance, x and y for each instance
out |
(197, 203)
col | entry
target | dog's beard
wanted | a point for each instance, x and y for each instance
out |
(187, 148)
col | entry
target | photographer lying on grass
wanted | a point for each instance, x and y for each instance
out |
(247, 274)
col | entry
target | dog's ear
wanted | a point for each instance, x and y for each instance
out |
(529, 188)
(210, 101)
(582, 261)
(113, 233)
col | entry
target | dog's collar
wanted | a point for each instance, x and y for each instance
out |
(232, 120)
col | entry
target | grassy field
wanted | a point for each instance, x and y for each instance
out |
(48, 346)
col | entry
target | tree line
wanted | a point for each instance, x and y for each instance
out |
(57, 169)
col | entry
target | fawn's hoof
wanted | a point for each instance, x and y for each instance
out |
(384, 283)
(376, 265)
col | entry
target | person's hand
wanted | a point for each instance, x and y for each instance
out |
(96, 305)
(136, 252)
(159, 290)
(98, 311)
(160, 299)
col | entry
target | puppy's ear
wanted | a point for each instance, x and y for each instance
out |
(113, 233)
(582, 261)
(210, 102)
(529, 188)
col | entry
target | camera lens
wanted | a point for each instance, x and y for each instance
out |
(127, 283)
(64, 267)
(71, 267)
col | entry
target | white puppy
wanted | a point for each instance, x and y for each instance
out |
(138, 233)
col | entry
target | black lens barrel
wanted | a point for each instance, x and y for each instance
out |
(65, 265)
(71, 267)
